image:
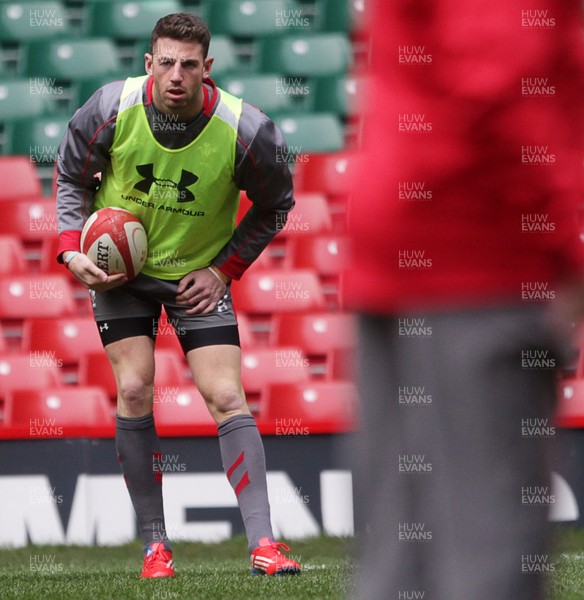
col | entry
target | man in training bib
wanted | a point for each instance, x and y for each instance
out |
(175, 150)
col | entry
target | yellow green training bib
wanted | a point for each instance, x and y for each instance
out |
(186, 198)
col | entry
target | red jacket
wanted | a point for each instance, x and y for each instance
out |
(468, 184)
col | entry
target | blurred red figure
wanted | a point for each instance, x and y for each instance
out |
(463, 218)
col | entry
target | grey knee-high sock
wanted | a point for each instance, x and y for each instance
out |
(242, 453)
(138, 449)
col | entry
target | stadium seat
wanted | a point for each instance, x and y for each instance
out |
(311, 132)
(316, 333)
(21, 371)
(19, 178)
(24, 297)
(301, 404)
(73, 59)
(263, 91)
(65, 339)
(310, 216)
(250, 18)
(341, 16)
(39, 138)
(324, 173)
(327, 254)
(129, 20)
(181, 405)
(11, 255)
(46, 411)
(306, 55)
(222, 49)
(263, 366)
(95, 369)
(337, 94)
(21, 98)
(23, 21)
(269, 291)
(30, 220)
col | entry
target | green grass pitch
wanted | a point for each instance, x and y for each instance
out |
(217, 571)
(203, 572)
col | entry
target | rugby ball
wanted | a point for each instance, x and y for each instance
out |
(115, 240)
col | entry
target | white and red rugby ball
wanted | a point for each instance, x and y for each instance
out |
(115, 240)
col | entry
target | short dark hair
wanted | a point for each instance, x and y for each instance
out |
(183, 27)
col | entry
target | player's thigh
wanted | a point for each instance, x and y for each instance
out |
(132, 361)
(210, 343)
(127, 318)
(216, 371)
(132, 358)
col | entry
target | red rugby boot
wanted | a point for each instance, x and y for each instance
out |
(158, 562)
(267, 559)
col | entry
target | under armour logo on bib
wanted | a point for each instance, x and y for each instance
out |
(183, 194)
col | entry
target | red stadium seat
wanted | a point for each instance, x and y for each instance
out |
(181, 406)
(23, 371)
(310, 215)
(315, 333)
(19, 178)
(24, 296)
(334, 402)
(269, 291)
(32, 220)
(327, 254)
(324, 173)
(263, 366)
(95, 369)
(12, 258)
(170, 371)
(66, 338)
(58, 407)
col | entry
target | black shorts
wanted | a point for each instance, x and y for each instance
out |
(134, 309)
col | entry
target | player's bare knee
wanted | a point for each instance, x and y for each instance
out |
(135, 396)
(227, 402)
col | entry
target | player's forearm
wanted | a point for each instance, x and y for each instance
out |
(69, 241)
(74, 202)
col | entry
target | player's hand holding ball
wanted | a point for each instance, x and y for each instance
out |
(113, 249)
(90, 275)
